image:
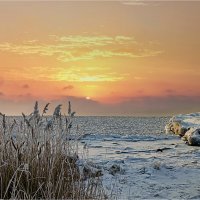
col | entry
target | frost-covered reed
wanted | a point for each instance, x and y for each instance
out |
(38, 158)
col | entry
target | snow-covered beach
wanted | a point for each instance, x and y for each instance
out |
(134, 157)
(146, 166)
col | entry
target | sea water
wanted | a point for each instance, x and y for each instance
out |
(121, 125)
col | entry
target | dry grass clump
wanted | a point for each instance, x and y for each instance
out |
(38, 158)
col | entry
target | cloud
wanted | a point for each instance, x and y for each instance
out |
(160, 105)
(79, 41)
(140, 2)
(75, 74)
(140, 91)
(1, 94)
(139, 78)
(76, 48)
(170, 91)
(25, 86)
(24, 97)
(25, 104)
(1, 82)
(135, 106)
(68, 87)
(134, 3)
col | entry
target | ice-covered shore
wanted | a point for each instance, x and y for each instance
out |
(144, 167)
(187, 126)
(149, 166)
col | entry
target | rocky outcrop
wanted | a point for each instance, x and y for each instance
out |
(178, 126)
(175, 128)
(114, 169)
(192, 137)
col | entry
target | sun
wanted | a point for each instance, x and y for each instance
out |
(88, 98)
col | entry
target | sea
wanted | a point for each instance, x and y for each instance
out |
(117, 125)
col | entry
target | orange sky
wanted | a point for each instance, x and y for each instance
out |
(109, 58)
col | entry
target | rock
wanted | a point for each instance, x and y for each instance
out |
(87, 172)
(162, 149)
(182, 131)
(192, 137)
(186, 126)
(168, 128)
(157, 165)
(114, 169)
(142, 170)
(175, 128)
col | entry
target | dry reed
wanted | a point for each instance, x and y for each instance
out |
(38, 158)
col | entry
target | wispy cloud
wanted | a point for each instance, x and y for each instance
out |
(78, 48)
(139, 78)
(25, 86)
(63, 73)
(91, 41)
(170, 91)
(67, 57)
(75, 74)
(146, 105)
(142, 2)
(68, 87)
(134, 2)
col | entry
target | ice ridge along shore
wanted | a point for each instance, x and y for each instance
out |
(187, 126)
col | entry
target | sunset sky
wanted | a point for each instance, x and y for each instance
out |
(108, 57)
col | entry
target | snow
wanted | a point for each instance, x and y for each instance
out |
(152, 167)
(152, 164)
(191, 120)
